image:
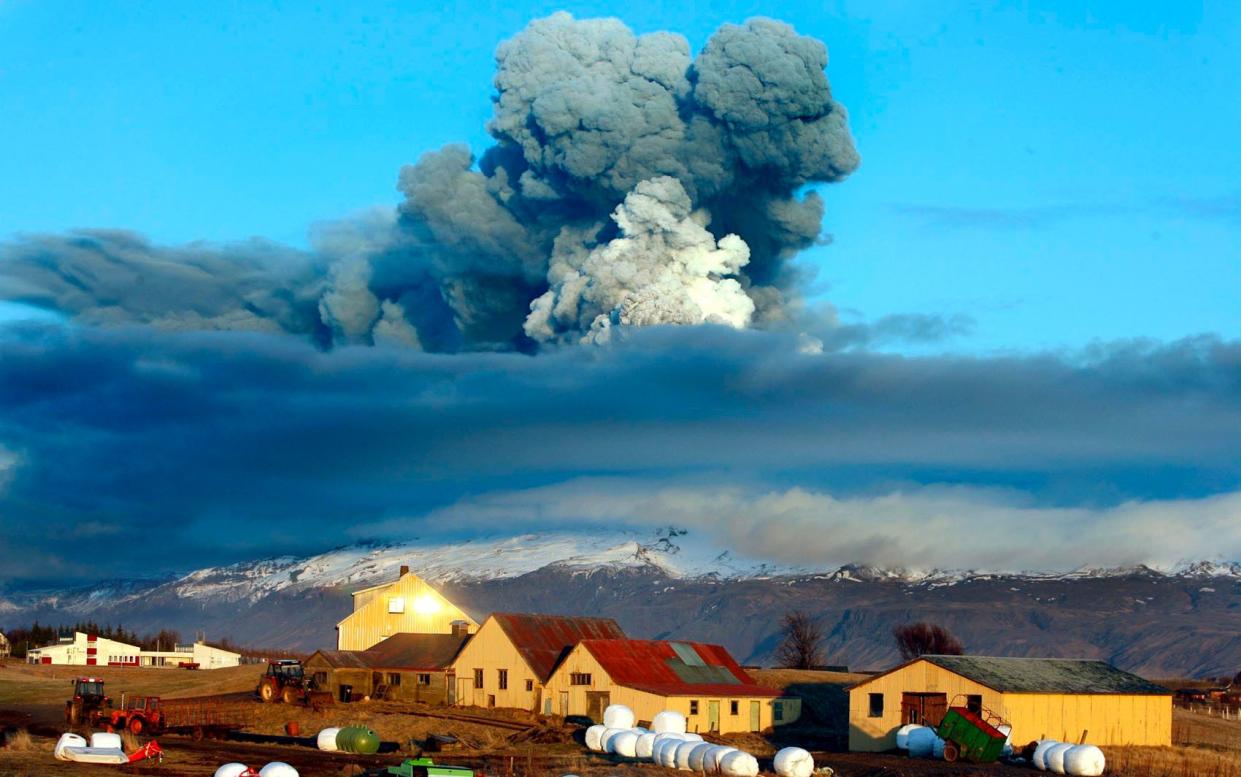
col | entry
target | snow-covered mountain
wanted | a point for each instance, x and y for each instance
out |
(671, 583)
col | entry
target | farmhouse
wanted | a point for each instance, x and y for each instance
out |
(408, 605)
(92, 650)
(1042, 698)
(403, 667)
(702, 682)
(509, 660)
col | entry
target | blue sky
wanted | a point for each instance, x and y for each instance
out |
(1036, 344)
(1059, 172)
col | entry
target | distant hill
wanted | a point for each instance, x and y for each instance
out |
(1176, 623)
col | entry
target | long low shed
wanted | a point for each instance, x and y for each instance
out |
(1067, 699)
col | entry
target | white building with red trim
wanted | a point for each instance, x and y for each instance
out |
(84, 649)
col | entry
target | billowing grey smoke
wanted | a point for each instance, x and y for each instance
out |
(630, 184)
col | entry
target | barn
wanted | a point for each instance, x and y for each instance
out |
(407, 605)
(701, 681)
(403, 667)
(508, 661)
(1073, 700)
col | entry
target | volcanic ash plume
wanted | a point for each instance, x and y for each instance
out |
(630, 184)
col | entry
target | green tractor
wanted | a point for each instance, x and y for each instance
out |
(423, 767)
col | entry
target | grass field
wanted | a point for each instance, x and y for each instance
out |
(22, 683)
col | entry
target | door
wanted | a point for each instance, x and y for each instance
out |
(713, 716)
(924, 709)
(465, 689)
(756, 715)
(596, 703)
(564, 704)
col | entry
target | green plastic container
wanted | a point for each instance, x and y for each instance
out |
(357, 739)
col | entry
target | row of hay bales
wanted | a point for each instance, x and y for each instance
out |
(667, 743)
(1050, 755)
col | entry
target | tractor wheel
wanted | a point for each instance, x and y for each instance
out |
(197, 733)
(951, 752)
(73, 713)
(136, 725)
(267, 692)
(289, 695)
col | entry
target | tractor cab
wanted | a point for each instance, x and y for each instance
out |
(286, 669)
(88, 688)
(88, 701)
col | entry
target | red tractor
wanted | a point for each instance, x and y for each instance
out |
(138, 714)
(284, 681)
(88, 704)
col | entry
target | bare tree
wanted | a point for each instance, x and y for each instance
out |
(802, 644)
(920, 639)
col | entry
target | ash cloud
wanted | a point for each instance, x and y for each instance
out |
(528, 245)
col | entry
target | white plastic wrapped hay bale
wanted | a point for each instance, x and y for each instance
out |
(644, 745)
(1055, 757)
(1039, 759)
(921, 742)
(624, 743)
(739, 764)
(1084, 761)
(594, 737)
(902, 735)
(683, 751)
(711, 761)
(67, 740)
(233, 769)
(794, 762)
(618, 716)
(102, 740)
(692, 737)
(278, 769)
(698, 755)
(663, 753)
(668, 722)
(1007, 731)
(937, 748)
(326, 740)
(605, 739)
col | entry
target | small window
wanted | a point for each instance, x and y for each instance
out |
(503, 684)
(478, 678)
(973, 703)
(491, 700)
(876, 705)
(579, 678)
(529, 685)
(320, 679)
(734, 707)
(693, 707)
(394, 678)
(396, 604)
(777, 711)
(424, 679)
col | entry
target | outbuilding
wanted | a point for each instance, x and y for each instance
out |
(403, 667)
(702, 682)
(1072, 700)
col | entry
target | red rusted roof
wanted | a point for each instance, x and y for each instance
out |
(674, 668)
(542, 640)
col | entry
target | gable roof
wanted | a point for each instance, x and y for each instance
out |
(1041, 675)
(542, 640)
(674, 668)
(429, 652)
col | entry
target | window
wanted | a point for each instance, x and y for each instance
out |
(734, 707)
(693, 707)
(876, 705)
(579, 678)
(973, 703)
(503, 684)
(491, 700)
(394, 678)
(478, 678)
(424, 679)
(396, 604)
(777, 711)
(529, 685)
(320, 679)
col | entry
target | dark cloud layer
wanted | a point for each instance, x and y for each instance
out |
(240, 444)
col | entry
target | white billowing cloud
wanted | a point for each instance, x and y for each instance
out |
(348, 306)
(664, 268)
(918, 528)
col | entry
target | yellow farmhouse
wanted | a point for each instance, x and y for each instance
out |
(1042, 698)
(702, 682)
(408, 605)
(509, 660)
